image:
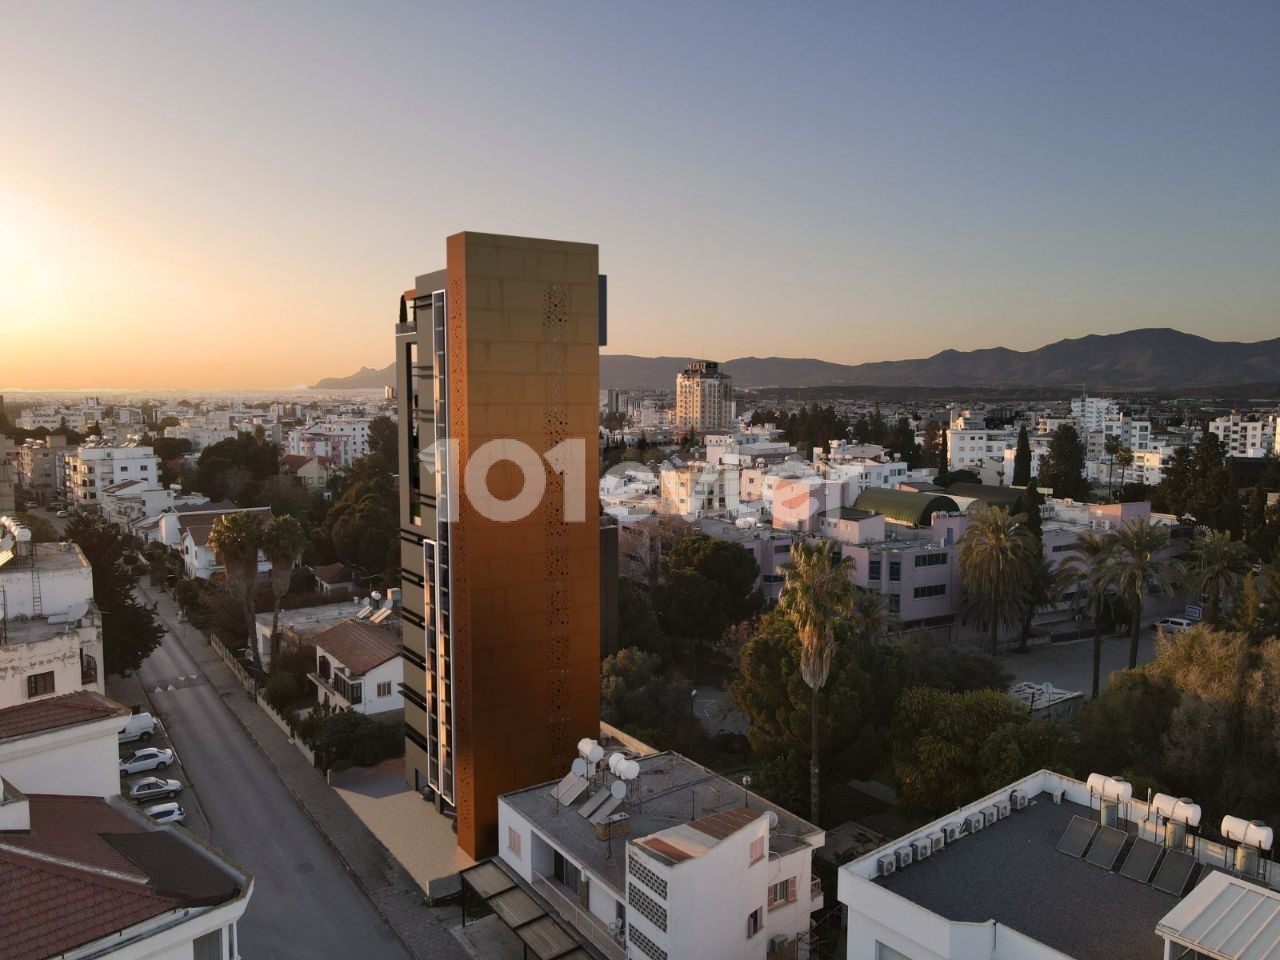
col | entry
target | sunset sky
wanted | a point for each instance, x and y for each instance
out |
(232, 195)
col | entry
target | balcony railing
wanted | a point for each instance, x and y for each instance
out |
(584, 921)
(815, 889)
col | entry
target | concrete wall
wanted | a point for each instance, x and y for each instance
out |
(59, 654)
(82, 760)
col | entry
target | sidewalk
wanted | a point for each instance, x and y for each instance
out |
(424, 931)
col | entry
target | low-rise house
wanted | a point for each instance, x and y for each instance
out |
(358, 666)
(191, 530)
(308, 471)
(335, 578)
(64, 744)
(674, 861)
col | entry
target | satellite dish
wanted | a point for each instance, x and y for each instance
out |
(773, 820)
(1046, 689)
(77, 610)
(579, 767)
(618, 789)
(595, 753)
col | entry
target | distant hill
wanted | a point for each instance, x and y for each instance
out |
(1147, 359)
(366, 378)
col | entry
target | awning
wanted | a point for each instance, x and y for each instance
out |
(544, 935)
(1226, 917)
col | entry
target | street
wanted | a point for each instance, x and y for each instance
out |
(1069, 666)
(304, 904)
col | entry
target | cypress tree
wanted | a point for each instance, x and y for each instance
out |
(1022, 459)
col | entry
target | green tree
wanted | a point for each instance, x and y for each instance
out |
(944, 461)
(1062, 466)
(1022, 459)
(1257, 611)
(642, 696)
(931, 448)
(236, 539)
(817, 592)
(708, 585)
(1088, 566)
(129, 630)
(363, 525)
(283, 541)
(900, 441)
(1217, 567)
(1139, 565)
(1111, 446)
(1029, 509)
(637, 623)
(1124, 460)
(996, 558)
(384, 439)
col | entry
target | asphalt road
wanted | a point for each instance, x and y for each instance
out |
(1069, 666)
(304, 904)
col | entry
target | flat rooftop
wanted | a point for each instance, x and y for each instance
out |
(1013, 873)
(671, 790)
(49, 556)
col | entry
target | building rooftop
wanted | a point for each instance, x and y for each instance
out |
(357, 645)
(903, 506)
(37, 716)
(88, 868)
(1012, 873)
(671, 792)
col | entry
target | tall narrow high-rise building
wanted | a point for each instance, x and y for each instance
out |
(703, 398)
(497, 379)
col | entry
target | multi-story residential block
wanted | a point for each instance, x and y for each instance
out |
(93, 467)
(1134, 434)
(676, 861)
(1090, 413)
(358, 667)
(501, 613)
(704, 398)
(201, 432)
(1244, 438)
(50, 630)
(693, 490)
(8, 459)
(970, 449)
(127, 503)
(42, 466)
(1052, 868)
(342, 440)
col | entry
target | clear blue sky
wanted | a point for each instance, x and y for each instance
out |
(856, 181)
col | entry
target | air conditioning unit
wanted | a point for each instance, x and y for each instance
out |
(886, 865)
(937, 841)
(990, 815)
(921, 848)
(951, 831)
(1019, 799)
(903, 856)
(778, 943)
(975, 822)
(1002, 808)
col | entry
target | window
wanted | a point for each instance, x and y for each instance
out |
(40, 684)
(384, 689)
(784, 891)
(757, 849)
(895, 571)
(895, 603)
(754, 919)
(873, 570)
(932, 590)
(208, 947)
(513, 840)
(931, 559)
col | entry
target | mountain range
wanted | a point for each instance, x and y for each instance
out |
(1146, 359)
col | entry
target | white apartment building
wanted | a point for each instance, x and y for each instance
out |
(42, 466)
(1090, 413)
(201, 432)
(674, 862)
(95, 466)
(1134, 434)
(342, 440)
(970, 449)
(1245, 438)
(129, 502)
(694, 490)
(703, 398)
(50, 631)
(1050, 868)
(188, 532)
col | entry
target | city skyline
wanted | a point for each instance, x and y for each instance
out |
(881, 181)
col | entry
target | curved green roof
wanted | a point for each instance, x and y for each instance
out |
(905, 506)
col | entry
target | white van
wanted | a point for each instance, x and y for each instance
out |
(141, 726)
(1173, 624)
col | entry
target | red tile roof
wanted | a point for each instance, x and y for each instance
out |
(292, 461)
(358, 646)
(83, 706)
(334, 573)
(725, 823)
(122, 485)
(71, 828)
(199, 524)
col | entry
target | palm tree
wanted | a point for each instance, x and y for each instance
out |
(997, 558)
(1111, 447)
(1218, 566)
(283, 542)
(1088, 565)
(1137, 567)
(235, 538)
(1046, 585)
(1124, 460)
(817, 592)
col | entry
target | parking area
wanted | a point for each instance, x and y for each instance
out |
(128, 690)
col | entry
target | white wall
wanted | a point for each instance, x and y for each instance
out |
(82, 760)
(59, 654)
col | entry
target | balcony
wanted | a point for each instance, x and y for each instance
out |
(815, 894)
(584, 921)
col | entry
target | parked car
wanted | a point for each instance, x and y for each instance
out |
(150, 788)
(64, 513)
(148, 758)
(1173, 624)
(166, 813)
(141, 726)
(33, 505)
